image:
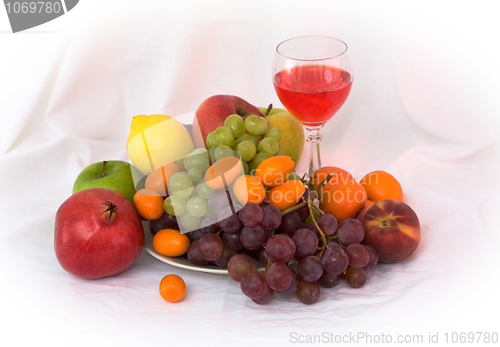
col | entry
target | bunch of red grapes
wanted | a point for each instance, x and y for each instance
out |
(297, 256)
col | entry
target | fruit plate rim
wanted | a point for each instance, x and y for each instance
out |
(182, 262)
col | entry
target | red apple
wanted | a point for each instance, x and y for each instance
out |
(98, 233)
(392, 228)
(212, 113)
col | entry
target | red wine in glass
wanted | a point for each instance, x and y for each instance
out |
(325, 87)
(312, 76)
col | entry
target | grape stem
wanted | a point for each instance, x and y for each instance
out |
(267, 266)
(293, 208)
(322, 183)
(322, 234)
(302, 204)
(318, 209)
(309, 202)
(313, 196)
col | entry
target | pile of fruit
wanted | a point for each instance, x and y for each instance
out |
(234, 202)
(301, 247)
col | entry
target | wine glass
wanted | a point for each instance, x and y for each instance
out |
(312, 76)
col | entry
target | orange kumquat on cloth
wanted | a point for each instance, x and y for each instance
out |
(172, 288)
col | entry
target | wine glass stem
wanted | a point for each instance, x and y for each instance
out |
(314, 138)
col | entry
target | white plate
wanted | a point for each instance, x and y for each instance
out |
(181, 261)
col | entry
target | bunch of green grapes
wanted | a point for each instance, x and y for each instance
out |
(253, 139)
(188, 192)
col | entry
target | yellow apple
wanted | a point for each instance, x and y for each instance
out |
(293, 133)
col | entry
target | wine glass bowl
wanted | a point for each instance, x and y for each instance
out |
(312, 76)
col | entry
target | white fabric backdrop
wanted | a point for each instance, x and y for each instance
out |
(424, 106)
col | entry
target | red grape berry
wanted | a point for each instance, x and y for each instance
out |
(254, 285)
(279, 276)
(308, 292)
(251, 215)
(240, 265)
(280, 248)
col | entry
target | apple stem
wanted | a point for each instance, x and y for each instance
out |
(102, 167)
(269, 108)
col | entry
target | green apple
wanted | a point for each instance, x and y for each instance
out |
(293, 133)
(113, 174)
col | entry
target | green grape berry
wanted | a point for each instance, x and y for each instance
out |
(245, 167)
(269, 126)
(195, 174)
(259, 158)
(174, 206)
(196, 206)
(210, 141)
(280, 151)
(268, 145)
(246, 137)
(180, 185)
(223, 136)
(197, 159)
(203, 190)
(247, 150)
(275, 133)
(223, 151)
(250, 166)
(189, 222)
(255, 125)
(236, 124)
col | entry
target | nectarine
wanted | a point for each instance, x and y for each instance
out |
(392, 228)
